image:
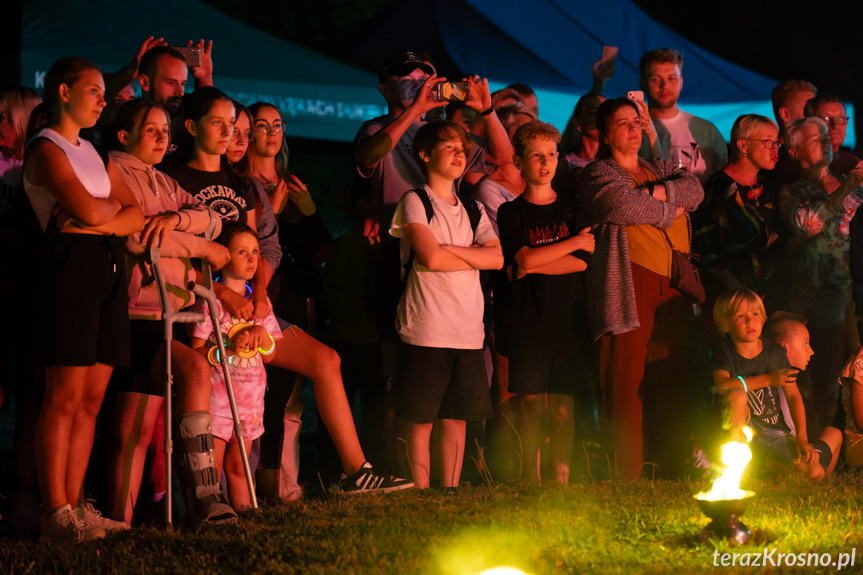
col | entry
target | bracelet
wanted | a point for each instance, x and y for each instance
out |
(272, 347)
(743, 381)
(216, 361)
(488, 112)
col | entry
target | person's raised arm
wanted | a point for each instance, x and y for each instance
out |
(648, 129)
(500, 149)
(373, 149)
(203, 74)
(118, 80)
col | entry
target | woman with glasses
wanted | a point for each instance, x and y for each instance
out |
(293, 288)
(815, 281)
(302, 232)
(734, 227)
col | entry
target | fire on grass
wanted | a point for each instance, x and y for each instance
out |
(725, 502)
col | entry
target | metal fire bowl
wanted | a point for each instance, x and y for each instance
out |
(725, 518)
(720, 508)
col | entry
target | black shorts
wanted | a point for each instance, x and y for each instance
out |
(147, 337)
(538, 371)
(441, 383)
(86, 305)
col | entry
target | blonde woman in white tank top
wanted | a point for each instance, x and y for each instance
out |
(84, 208)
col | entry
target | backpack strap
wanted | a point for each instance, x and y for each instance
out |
(427, 205)
(473, 213)
(426, 201)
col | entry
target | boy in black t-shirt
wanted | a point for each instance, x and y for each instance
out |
(546, 332)
(759, 385)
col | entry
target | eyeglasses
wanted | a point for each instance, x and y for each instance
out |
(266, 128)
(835, 120)
(237, 133)
(768, 144)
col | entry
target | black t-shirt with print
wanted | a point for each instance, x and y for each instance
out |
(542, 311)
(230, 196)
(764, 403)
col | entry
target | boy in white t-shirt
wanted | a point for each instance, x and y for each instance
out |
(441, 372)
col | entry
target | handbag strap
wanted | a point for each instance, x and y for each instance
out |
(688, 230)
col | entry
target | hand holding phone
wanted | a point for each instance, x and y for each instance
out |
(603, 69)
(635, 95)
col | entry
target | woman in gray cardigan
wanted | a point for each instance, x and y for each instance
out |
(638, 209)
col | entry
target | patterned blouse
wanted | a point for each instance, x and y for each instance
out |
(821, 229)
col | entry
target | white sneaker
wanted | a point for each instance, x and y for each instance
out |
(65, 525)
(91, 516)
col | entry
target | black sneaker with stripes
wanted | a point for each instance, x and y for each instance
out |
(370, 479)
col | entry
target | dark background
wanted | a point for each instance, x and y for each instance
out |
(819, 41)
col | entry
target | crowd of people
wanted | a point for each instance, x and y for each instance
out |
(513, 287)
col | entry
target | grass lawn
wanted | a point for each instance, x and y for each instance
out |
(599, 527)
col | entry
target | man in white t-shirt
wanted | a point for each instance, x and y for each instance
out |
(693, 143)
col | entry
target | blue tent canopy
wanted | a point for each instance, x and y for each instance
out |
(318, 96)
(552, 44)
(549, 44)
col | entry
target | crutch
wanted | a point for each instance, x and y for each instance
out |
(170, 317)
(212, 306)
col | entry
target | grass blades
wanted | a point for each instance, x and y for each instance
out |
(595, 527)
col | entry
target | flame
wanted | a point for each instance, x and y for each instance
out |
(736, 457)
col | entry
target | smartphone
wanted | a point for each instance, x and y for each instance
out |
(192, 54)
(635, 95)
(452, 91)
(609, 57)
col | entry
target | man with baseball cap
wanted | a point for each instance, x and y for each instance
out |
(383, 149)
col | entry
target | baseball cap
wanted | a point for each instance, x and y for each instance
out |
(403, 63)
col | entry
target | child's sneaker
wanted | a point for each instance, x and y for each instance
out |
(87, 513)
(65, 525)
(370, 479)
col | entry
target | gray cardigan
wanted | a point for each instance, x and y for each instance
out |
(612, 204)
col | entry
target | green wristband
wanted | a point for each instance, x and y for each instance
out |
(743, 381)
